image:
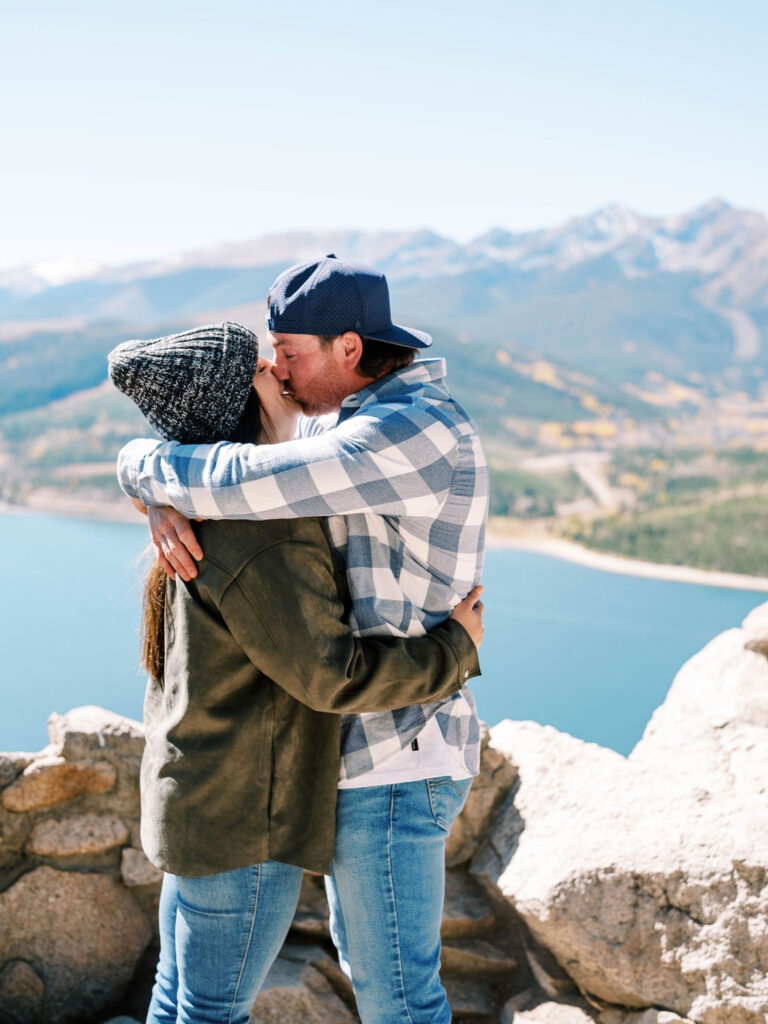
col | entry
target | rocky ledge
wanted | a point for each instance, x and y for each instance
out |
(582, 885)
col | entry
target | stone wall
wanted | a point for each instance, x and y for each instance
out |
(78, 898)
(582, 885)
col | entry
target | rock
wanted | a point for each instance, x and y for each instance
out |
(547, 972)
(332, 972)
(136, 869)
(82, 933)
(14, 830)
(546, 1013)
(467, 910)
(469, 998)
(82, 834)
(647, 877)
(523, 1000)
(651, 1016)
(311, 1000)
(477, 958)
(311, 917)
(52, 780)
(711, 732)
(755, 628)
(92, 732)
(21, 993)
(12, 765)
(295, 991)
(496, 778)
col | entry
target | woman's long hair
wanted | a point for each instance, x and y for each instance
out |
(254, 425)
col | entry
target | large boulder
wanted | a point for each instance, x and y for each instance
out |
(69, 945)
(647, 876)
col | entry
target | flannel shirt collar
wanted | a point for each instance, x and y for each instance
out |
(419, 373)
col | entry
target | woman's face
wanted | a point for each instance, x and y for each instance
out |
(281, 409)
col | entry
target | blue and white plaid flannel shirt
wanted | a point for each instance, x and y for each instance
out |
(403, 482)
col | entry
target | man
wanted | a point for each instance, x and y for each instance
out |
(403, 482)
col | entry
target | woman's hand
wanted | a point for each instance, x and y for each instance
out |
(174, 542)
(469, 614)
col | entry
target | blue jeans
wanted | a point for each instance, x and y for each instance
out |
(219, 935)
(386, 896)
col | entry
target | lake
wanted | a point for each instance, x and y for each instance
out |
(590, 652)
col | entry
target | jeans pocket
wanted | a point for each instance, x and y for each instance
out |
(446, 799)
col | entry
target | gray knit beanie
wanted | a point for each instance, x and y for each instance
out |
(192, 386)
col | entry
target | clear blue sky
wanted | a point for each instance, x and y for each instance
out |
(140, 128)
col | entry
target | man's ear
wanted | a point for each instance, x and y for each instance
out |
(351, 349)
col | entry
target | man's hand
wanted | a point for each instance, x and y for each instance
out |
(174, 542)
(469, 614)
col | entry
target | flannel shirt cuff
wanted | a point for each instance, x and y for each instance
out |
(130, 461)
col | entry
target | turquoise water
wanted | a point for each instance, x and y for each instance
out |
(592, 653)
(589, 652)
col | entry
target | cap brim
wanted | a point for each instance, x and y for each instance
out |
(397, 335)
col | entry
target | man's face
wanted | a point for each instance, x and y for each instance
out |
(311, 372)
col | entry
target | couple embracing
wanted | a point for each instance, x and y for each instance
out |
(309, 651)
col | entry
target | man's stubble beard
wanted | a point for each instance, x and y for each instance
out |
(325, 391)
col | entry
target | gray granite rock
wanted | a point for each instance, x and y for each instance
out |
(136, 869)
(647, 877)
(91, 733)
(296, 991)
(468, 911)
(14, 829)
(496, 778)
(12, 764)
(650, 1016)
(21, 993)
(80, 834)
(755, 628)
(82, 934)
(311, 917)
(470, 998)
(546, 1013)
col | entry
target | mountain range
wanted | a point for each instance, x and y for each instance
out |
(614, 295)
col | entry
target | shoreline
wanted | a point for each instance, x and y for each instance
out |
(568, 551)
(554, 547)
(74, 508)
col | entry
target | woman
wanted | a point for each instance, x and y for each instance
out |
(251, 667)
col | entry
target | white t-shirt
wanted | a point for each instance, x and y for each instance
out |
(434, 758)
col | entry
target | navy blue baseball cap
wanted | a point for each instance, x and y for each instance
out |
(331, 296)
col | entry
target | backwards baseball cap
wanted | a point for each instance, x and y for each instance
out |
(192, 386)
(331, 296)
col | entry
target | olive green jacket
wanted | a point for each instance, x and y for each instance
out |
(241, 763)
